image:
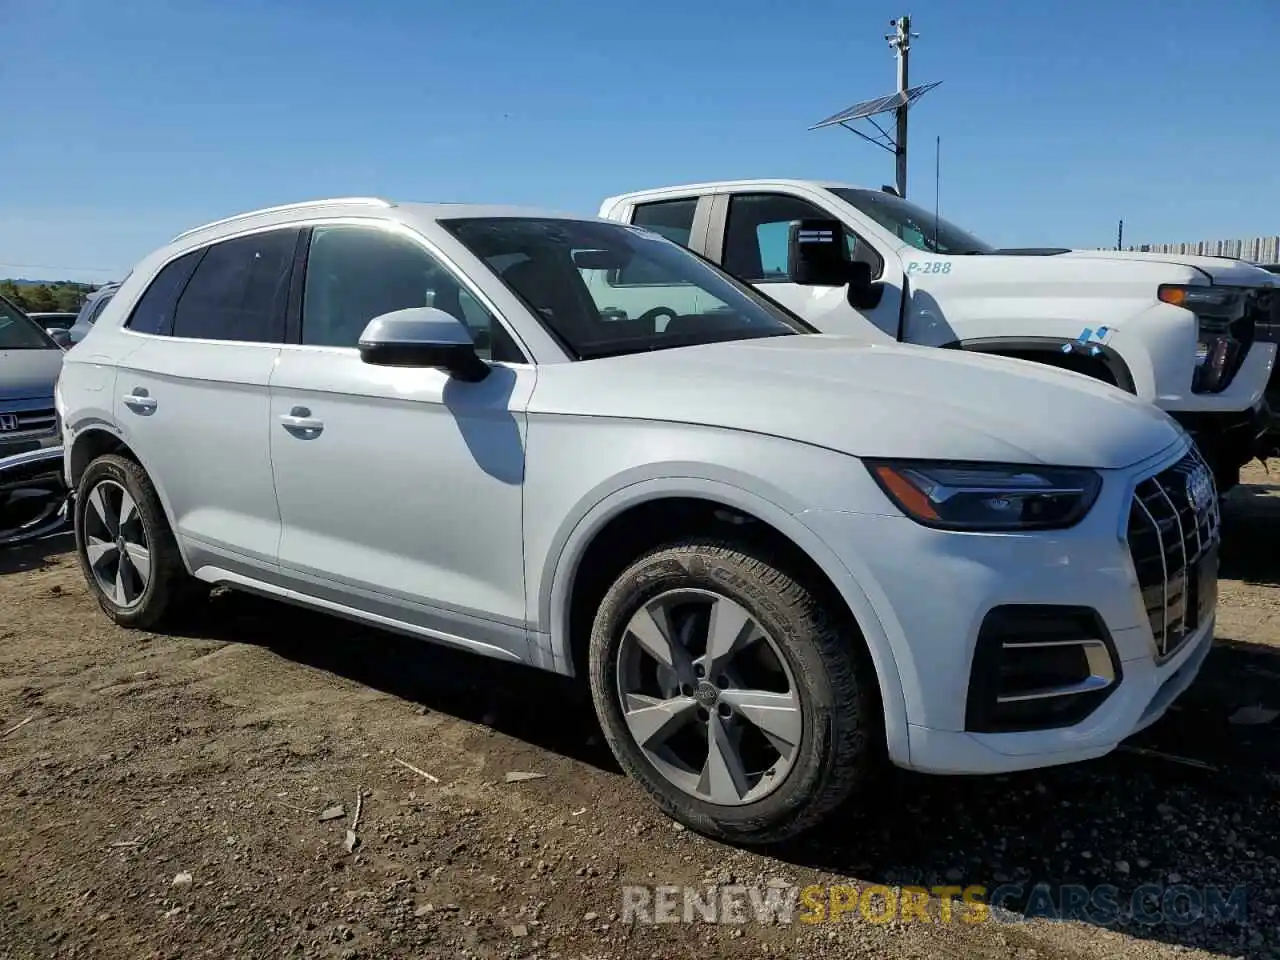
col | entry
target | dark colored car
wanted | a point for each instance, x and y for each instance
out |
(56, 320)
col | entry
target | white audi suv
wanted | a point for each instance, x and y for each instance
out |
(775, 556)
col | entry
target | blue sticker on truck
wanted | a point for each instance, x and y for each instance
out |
(928, 266)
(1090, 341)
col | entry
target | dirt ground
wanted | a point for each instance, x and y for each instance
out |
(165, 800)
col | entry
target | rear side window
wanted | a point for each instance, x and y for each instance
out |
(671, 218)
(154, 310)
(239, 290)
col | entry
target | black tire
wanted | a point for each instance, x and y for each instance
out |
(170, 589)
(842, 726)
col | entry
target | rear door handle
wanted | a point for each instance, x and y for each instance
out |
(300, 423)
(140, 401)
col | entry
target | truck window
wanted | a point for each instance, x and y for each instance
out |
(671, 218)
(755, 245)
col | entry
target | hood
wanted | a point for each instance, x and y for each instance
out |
(870, 400)
(1234, 273)
(29, 374)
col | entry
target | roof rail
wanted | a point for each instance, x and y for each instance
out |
(361, 201)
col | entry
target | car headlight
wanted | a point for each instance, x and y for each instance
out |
(987, 496)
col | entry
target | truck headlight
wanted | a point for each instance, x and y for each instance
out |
(987, 496)
(1216, 309)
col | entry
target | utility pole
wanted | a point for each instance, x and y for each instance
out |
(900, 42)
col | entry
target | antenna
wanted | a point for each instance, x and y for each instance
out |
(898, 103)
(937, 188)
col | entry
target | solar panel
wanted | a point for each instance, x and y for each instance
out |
(873, 108)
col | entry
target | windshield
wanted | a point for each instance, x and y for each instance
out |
(912, 224)
(19, 333)
(605, 289)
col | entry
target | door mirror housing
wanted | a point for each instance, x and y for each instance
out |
(864, 293)
(422, 337)
(59, 336)
(817, 256)
(816, 253)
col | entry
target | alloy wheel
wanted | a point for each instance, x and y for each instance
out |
(707, 695)
(116, 545)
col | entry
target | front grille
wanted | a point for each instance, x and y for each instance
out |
(1174, 546)
(14, 423)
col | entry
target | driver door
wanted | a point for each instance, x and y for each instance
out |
(400, 489)
(754, 249)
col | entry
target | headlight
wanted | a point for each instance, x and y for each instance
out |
(1224, 302)
(987, 496)
(1217, 349)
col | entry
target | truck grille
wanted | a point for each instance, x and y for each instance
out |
(16, 422)
(1173, 538)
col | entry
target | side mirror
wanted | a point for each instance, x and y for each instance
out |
(816, 253)
(864, 293)
(422, 337)
(59, 336)
(817, 256)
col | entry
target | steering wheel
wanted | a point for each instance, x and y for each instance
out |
(653, 314)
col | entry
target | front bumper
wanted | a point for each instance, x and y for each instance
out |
(932, 591)
(1229, 440)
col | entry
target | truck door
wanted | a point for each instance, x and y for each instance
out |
(747, 235)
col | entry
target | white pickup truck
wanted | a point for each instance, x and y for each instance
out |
(1175, 330)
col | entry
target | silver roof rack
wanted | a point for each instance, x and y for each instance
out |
(360, 201)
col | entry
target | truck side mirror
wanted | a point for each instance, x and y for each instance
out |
(817, 256)
(816, 253)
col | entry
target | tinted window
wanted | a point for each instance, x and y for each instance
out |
(671, 218)
(559, 269)
(98, 307)
(239, 290)
(356, 273)
(921, 228)
(17, 332)
(755, 244)
(154, 310)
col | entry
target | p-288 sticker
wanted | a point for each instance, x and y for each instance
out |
(929, 266)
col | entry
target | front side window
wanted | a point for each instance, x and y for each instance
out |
(560, 269)
(758, 229)
(913, 225)
(357, 273)
(17, 332)
(239, 290)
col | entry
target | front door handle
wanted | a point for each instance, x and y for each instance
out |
(300, 423)
(140, 401)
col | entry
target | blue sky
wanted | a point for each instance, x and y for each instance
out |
(128, 121)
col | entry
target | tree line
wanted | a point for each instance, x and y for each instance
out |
(60, 296)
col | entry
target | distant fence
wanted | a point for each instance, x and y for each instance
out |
(1253, 249)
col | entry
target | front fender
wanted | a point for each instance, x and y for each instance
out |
(556, 585)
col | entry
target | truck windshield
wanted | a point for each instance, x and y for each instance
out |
(575, 276)
(912, 224)
(17, 332)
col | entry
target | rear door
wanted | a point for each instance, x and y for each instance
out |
(193, 395)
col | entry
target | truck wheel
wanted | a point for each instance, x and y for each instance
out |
(727, 690)
(127, 551)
